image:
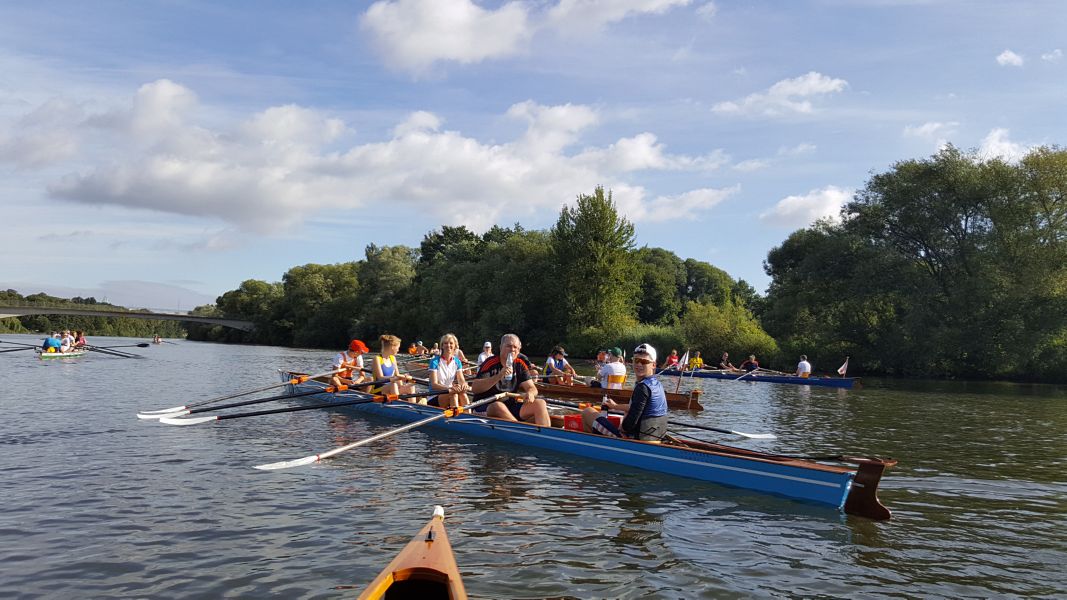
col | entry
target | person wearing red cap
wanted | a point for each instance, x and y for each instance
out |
(349, 364)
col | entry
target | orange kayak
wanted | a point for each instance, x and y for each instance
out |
(424, 569)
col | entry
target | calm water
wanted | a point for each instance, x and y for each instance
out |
(99, 504)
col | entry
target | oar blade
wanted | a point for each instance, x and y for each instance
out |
(189, 421)
(288, 464)
(163, 412)
(756, 436)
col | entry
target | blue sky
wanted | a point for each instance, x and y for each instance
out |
(159, 153)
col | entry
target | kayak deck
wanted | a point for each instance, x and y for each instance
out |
(425, 568)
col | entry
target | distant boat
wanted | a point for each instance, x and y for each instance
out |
(837, 382)
(54, 355)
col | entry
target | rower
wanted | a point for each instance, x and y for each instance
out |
(385, 367)
(510, 374)
(557, 369)
(751, 364)
(350, 364)
(672, 360)
(646, 412)
(446, 375)
(724, 362)
(696, 362)
(51, 343)
(803, 367)
(612, 373)
(487, 351)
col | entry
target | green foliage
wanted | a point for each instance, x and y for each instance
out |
(952, 266)
(716, 329)
(591, 245)
(102, 326)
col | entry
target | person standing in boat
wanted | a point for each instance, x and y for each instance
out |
(446, 375)
(349, 364)
(803, 367)
(751, 364)
(646, 412)
(557, 369)
(385, 367)
(510, 371)
(725, 364)
(612, 374)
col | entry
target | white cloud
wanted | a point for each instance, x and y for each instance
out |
(41, 137)
(572, 14)
(752, 164)
(707, 11)
(412, 35)
(1053, 56)
(801, 211)
(930, 130)
(1008, 58)
(997, 145)
(270, 171)
(785, 97)
(631, 203)
(799, 149)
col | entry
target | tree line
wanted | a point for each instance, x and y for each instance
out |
(103, 326)
(949, 266)
(583, 283)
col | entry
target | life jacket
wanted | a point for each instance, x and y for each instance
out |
(348, 366)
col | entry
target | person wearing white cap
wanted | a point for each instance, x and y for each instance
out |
(487, 351)
(646, 412)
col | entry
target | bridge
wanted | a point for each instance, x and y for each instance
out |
(22, 311)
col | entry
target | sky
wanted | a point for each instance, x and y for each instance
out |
(158, 153)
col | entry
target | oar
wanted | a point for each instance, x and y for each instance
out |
(141, 345)
(754, 436)
(155, 414)
(747, 373)
(360, 399)
(18, 349)
(112, 352)
(20, 344)
(402, 376)
(307, 460)
(193, 411)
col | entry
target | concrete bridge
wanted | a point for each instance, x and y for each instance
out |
(22, 311)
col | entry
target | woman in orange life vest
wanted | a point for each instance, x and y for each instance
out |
(350, 364)
(385, 367)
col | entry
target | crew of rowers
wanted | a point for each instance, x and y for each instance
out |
(748, 365)
(510, 371)
(66, 341)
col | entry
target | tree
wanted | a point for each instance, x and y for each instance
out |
(591, 246)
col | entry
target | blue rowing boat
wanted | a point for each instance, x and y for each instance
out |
(837, 382)
(852, 489)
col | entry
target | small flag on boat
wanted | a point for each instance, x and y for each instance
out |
(844, 368)
(684, 362)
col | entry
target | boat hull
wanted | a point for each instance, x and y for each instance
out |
(837, 382)
(690, 401)
(782, 476)
(55, 355)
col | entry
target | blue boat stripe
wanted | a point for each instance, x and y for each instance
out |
(527, 431)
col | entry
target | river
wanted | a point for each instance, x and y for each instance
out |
(97, 503)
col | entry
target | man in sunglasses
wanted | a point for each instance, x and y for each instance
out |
(646, 413)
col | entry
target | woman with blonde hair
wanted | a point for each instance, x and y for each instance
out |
(386, 367)
(446, 375)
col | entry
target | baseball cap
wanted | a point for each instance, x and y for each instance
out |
(487, 345)
(646, 349)
(616, 351)
(358, 346)
(558, 350)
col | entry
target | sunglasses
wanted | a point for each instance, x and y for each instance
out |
(642, 361)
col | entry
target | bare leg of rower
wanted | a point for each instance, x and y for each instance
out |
(535, 411)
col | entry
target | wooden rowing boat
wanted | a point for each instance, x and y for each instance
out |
(852, 489)
(687, 401)
(52, 355)
(424, 569)
(837, 382)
